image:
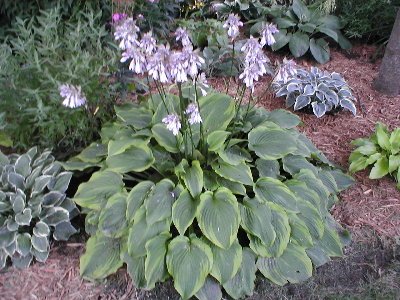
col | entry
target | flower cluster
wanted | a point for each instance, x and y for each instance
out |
(267, 34)
(256, 63)
(286, 71)
(174, 123)
(73, 96)
(233, 23)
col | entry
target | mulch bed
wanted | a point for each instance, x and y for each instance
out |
(369, 203)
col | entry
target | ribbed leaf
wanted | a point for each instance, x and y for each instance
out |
(189, 260)
(136, 158)
(211, 290)
(218, 217)
(155, 267)
(216, 140)
(240, 173)
(166, 139)
(184, 211)
(136, 198)
(112, 220)
(159, 203)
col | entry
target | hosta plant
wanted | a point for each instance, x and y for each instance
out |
(204, 190)
(304, 29)
(33, 206)
(382, 150)
(318, 90)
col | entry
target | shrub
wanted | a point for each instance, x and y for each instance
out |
(317, 90)
(33, 206)
(44, 53)
(304, 29)
(381, 150)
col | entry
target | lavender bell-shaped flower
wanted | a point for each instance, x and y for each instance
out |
(286, 70)
(159, 64)
(267, 34)
(173, 123)
(193, 112)
(73, 96)
(182, 35)
(127, 32)
(233, 23)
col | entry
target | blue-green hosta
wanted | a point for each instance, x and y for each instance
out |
(245, 193)
(33, 206)
(381, 149)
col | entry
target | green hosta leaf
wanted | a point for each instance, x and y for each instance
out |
(141, 232)
(136, 158)
(313, 183)
(359, 164)
(98, 189)
(332, 33)
(184, 211)
(136, 269)
(343, 181)
(234, 155)
(330, 243)
(40, 256)
(242, 284)
(307, 27)
(159, 203)
(61, 182)
(192, 176)
(218, 217)
(272, 190)
(112, 220)
(382, 136)
(166, 139)
(226, 262)
(211, 290)
(217, 111)
(23, 244)
(268, 168)
(22, 165)
(284, 23)
(155, 267)
(294, 163)
(235, 187)
(320, 50)
(280, 222)
(121, 145)
(299, 44)
(256, 219)
(73, 165)
(102, 257)
(380, 169)
(93, 153)
(240, 173)
(270, 143)
(136, 198)
(171, 101)
(329, 181)
(343, 42)
(189, 260)
(284, 118)
(137, 117)
(5, 139)
(216, 140)
(301, 11)
(282, 39)
(300, 234)
(292, 266)
(395, 141)
(312, 218)
(394, 163)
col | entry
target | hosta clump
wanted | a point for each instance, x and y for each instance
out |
(33, 206)
(320, 90)
(382, 150)
(246, 192)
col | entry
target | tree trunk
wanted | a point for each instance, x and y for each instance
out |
(388, 80)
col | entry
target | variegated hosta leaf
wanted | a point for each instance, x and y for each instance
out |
(155, 267)
(40, 243)
(211, 290)
(292, 266)
(137, 158)
(135, 268)
(240, 173)
(159, 203)
(192, 176)
(61, 182)
(136, 198)
(184, 211)
(23, 244)
(189, 260)
(22, 262)
(112, 220)
(54, 215)
(219, 217)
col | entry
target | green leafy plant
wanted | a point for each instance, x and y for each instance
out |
(33, 206)
(39, 55)
(381, 149)
(317, 90)
(243, 191)
(304, 29)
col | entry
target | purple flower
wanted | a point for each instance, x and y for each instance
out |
(194, 116)
(173, 123)
(73, 96)
(148, 43)
(286, 70)
(267, 34)
(117, 17)
(202, 83)
(185, 63)
(138, 62)
(182, 35)
(159, 64)
(232, 24)
(127, 32)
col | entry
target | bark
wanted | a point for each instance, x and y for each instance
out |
(388, 80)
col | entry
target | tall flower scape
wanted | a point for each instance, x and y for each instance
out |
(197, 187)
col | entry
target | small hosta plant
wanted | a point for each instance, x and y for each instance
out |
(33, 206)
(318, 90)
(203, 189)
(381, 150)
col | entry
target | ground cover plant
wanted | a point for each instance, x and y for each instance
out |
(38, 56)
(316, 90)
(381, 150)
(184, 187)
(33, 206)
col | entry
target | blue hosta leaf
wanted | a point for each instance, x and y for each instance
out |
(319, 109)
(136, 197)
(218, 217)
(22, 165)
(159, 203)
(240, 173)
(63, 231)
(155, 267)
(268, 168)
(41, 229)
(23, 243)
(349, 105)
(24, 218)
(166, 139)
(211, 290)
(40, 243)
(301, 102)
(184, 211)
(136, 269)
(189, 260)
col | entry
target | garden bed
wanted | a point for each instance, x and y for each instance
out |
(371, 206)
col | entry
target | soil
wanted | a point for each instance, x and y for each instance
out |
(370, 210)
